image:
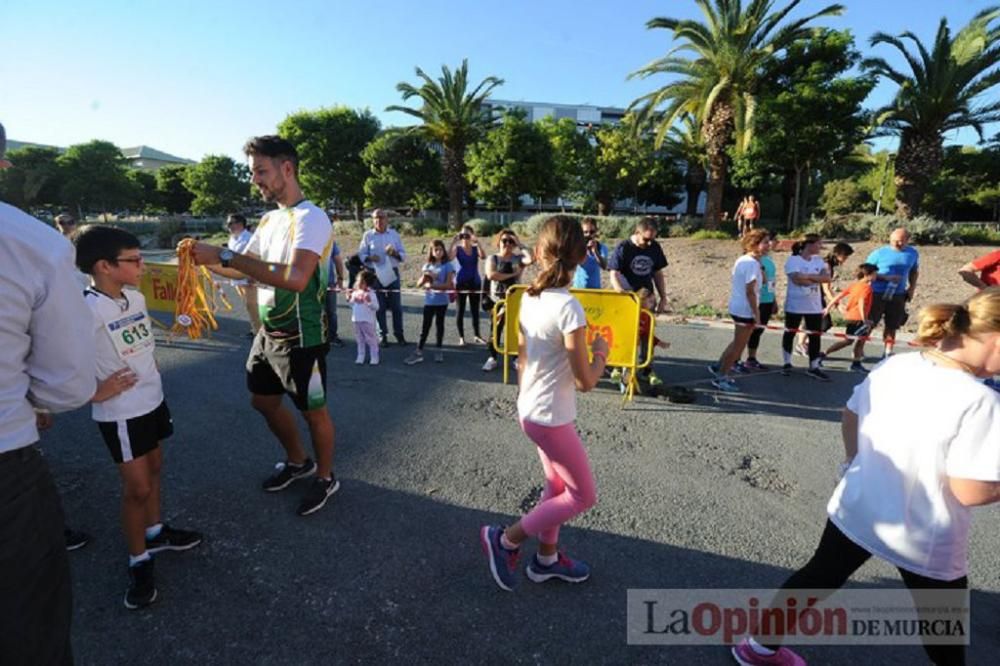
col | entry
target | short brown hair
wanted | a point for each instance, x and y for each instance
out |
(753, 238)
(273, 146)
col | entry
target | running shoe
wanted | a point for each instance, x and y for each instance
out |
(461, 341)
(740, 369)
(286, 472)
(479, 341)
(654, 380)
(142, 585)
(503, 562)
(745, 655)
(439, 357)
(856, 366)
(754, 364)
(490, 365)
(713, 369)
(414, 358)
(75, 540)
(172, 539)
(786, 369)
(317, 494)
(569, 570)
(726, 385)
(359, 360)
(616, 375)
(818, 374)
(374, 361)
(801, 350)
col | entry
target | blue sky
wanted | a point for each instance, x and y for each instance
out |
(199, 77)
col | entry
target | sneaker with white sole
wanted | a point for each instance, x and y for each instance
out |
(726, 385)
(564, 568)
(479, 341)
(503, 562)
(713, 369)
(286, 472)
(786, 369)
(414, 358)
(818, 374)
(490, 365)
(170, 538)
(317, 494)
(359, 360)
(141, 590)
(745, 654)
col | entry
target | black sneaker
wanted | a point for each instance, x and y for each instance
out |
(142, 586)
(286, 472)
(316, 496)
(401, 341)
(818, 374)
(75, 540)
(172, 539)
(786, 369)
(857, 366)
(336, 341)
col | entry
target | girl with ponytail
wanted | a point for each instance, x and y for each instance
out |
(554, 363)
(922, 447)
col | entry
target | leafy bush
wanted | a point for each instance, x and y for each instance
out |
(702, 310)
(924, 230)
(843, 196)
(483, 228)
(978, 236)
(348, 228)
(711, 234)
(521, 229)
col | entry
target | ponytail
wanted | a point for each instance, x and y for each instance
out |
(561, 248)
(941, 321)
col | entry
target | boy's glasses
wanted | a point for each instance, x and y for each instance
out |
(130, 260)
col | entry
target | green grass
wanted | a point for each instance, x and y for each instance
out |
(710, 234)
(702, 310)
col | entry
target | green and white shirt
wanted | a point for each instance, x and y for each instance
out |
(303, 226)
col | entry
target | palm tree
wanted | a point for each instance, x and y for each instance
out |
(685, 143)
(720, 84)
(940, 94)
(453, 118)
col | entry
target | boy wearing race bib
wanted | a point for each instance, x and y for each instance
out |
(128, 406)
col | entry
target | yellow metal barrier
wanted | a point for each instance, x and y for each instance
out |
(612, 314)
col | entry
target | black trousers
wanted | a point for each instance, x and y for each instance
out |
(468, 292)
(837, 558)
(431, 313)
(501, 319)
(36, 602)
(813, 322)
(766, 310)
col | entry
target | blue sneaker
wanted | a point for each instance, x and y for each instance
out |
(740, 369)
(713, 369)
(726, 385)
(571, 571)
(503, 562)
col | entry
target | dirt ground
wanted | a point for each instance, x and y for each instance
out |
(698, 274)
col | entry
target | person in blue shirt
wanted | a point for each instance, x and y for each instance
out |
(336, 283)
(898, 265)
(439, 280)
(588, 274)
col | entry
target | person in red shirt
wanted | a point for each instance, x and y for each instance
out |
(988, 267)
(857, 309)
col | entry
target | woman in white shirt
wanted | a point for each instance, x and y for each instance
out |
(554, 364)
(922, 446)
(744, 306)
(806, 271)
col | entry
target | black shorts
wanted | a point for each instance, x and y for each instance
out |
(276, 367)
(893, 309)
(856, 328)
(133, 438)
(742, 320)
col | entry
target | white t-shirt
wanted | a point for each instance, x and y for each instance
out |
(799, 299)
(362, 312)
(238, 244)
(745, 270)
(918, 424)
(123, 334)
(548, 389)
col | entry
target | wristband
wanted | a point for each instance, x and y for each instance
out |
(601, 355)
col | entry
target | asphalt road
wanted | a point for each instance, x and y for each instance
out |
(725, 493)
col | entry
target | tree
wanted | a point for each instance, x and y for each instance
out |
(513, 159)
(628, 166)
(219, 185)
(573, 156)
(809, 120)
(33, 180)
(170, 189)
(404, 170)
(94, 176)
(144, 196)
(330, 142)
(941, 93)
(684, 142)
(721, 84)
(452, 117)
(843, 196)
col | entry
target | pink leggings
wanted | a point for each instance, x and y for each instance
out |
(364, 334)
(569, 483)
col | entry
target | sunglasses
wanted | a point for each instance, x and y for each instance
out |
(508, 241)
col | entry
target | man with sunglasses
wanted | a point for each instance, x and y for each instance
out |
(588, 274)
(44, 365)
(638, 262)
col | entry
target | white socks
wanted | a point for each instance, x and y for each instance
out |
(507, 545)
(153, 531)
(136, 559)
(547, 560)
(786, 357)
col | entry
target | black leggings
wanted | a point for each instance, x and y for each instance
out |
(468, 291)
(766, 310)
(814, 322)
(433, 312)
(494, 354)
(837, 558)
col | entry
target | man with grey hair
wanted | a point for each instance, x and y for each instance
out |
(44, 367)
(382, 251)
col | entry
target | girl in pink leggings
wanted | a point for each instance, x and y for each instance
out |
(552, 348)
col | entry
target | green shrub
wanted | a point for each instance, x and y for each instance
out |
(483, 228)
(978, 236)
(348, 228)
(924, 230)
(702, 310)
(711, 234)
(522, 229)
(843, 196)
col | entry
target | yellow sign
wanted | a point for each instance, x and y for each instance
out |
(159, 286)
(612, 314)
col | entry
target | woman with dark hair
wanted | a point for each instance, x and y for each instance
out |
(834, 259)
(503, 270)
(466, 250)
(806, 271)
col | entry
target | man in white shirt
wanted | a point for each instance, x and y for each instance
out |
(382, 251)
(239, 239)
(44, 366)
